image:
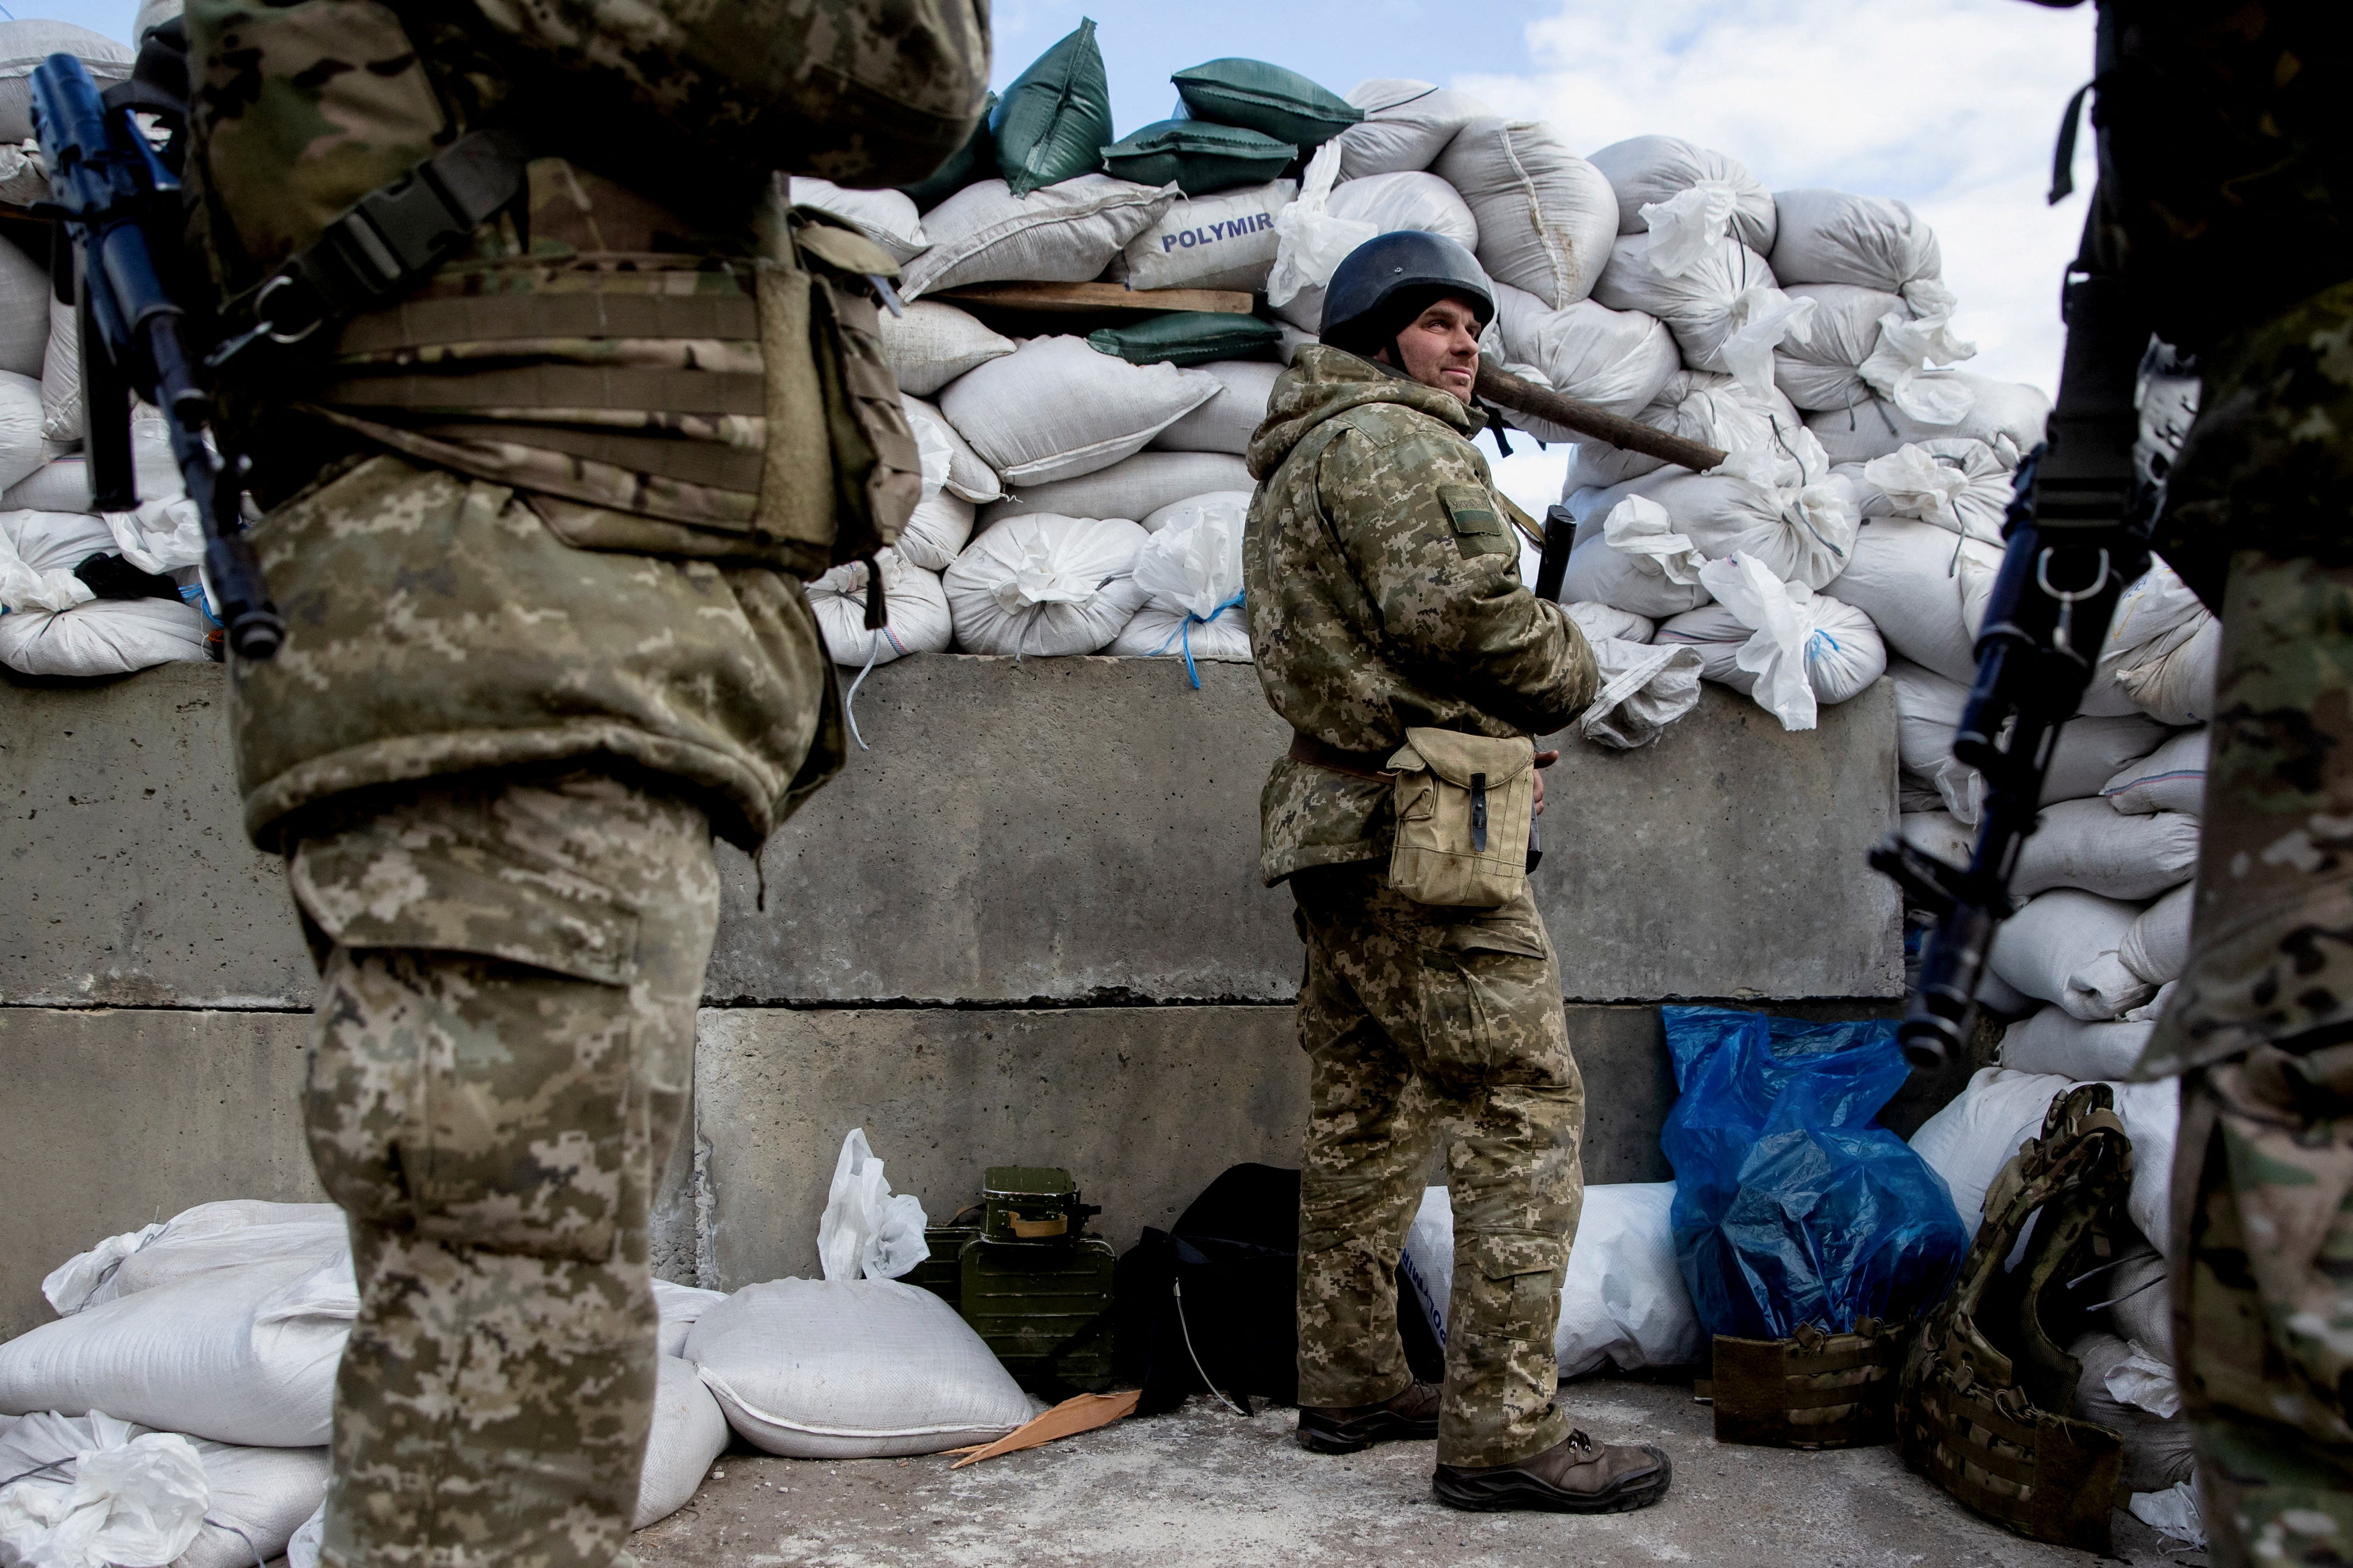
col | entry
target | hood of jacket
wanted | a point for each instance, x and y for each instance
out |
(1324, 383)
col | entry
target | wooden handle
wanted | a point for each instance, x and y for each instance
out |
(1507, 390)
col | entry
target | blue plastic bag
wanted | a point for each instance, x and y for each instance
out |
(1792, 1206)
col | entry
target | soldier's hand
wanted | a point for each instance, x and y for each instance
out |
(1544, 760)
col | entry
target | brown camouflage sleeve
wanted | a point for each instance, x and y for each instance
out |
(1441, 565)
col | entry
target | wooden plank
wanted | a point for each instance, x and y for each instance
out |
(1093, 298)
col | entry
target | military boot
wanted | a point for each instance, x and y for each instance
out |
(1345, 1429)
(1575, 1475)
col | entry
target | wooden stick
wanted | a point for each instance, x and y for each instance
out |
(1507, 390)
(1068, 1419)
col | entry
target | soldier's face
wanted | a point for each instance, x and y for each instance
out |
(1441, 348)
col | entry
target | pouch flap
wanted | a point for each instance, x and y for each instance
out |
(821, 237)
(1456, 757)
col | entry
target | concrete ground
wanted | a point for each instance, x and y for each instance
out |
(1201, 1487)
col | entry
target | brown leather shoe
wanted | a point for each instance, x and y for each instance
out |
(1575, 1475)
(1410, 1416)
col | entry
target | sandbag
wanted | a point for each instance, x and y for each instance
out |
(1904, 574)
(2085, 844)
(1617, 360)
(1134, 488)
(2143, 1310)
(1643, 169)
(1725, 309)
(1800, 533)
(61, 484)
(2171, 778)
(1999, 411)
(1224, 241)
(936, 532)
(239, 1355)
(1699, 406)
(1546, 216)
(1226, 421)
(233, 1234)
(56, 627)
(1928, 708)
(1644, 687)
(1045, 585)
(689, 1433)
(889, 218)
(2062, 946)
(1637, 563)
(1623, 1302)
(852, 1369)
(1066, 233)
(25, 294)
(1974, 1135)
(1962, 486)
(1189, 338)
(1829, 237)
(915, 609)
(61, 413)
(2157, 948)
(2163, 649)
(1597, 620)
(680, 1307)
(2158, 1452)
(24, 44)
(1406, 125)
(1050, 125)
(1058, 409)
(20, 423)
(1198, 157)
(2054, 1040)
(1267, 98)
(1780, 643)
(933, 344)
(1192, 568)
(1823, 368)
(1385, 204)
(968, 477)
(255, 1499)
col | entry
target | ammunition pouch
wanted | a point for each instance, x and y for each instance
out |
(1812, 1390)
(1984, 1387)
(1463, 807)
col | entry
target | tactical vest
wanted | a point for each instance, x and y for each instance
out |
(1812, 1390)
(1983, 1390)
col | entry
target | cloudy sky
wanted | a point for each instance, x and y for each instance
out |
(1950, 105)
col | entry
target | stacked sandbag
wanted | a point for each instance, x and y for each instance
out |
(1779, 642)
(1191, 569)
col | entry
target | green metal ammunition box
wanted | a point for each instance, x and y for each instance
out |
(1044, 1310)
(1030, 1206)
(942, 1273)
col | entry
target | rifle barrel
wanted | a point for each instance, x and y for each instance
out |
(1508, 391)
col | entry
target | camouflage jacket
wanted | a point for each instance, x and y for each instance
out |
(629, 420)
(1382, 577)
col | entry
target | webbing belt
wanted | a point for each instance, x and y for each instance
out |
(689, 462)
(498, 318)
(1810, 1391)
(554, 386)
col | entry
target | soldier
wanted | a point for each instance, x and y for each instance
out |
(2226, 161)
(535, 519)
(1381, 570)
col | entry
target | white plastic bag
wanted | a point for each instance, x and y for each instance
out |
(1647, 170)
(2062, 946)
(1045, 585)
(868, 1232)
(1999, 411)
(2054, 1040)
(1799, 533)
(86, 636)
(1801, 648)
(2173, 1512)
(1064, 233)
(62, 411)
(1824, 368)
(234, 1234)
(1310, 244)
(1898, 367)
(933, 342)
(1700, 406)
(1406, 125)
(1192, 568)
(2171, 778)
(1971, 1139)
(129, 1502)
(1639, 563)
(915, 609)
(1622, 1302)
(1546, 216)
(2132, 1394)
(936, 532)
(1387, 203)
(1057, 408)
(21, 451)
(1962, 486)
(690, 1432)
(1599, 621)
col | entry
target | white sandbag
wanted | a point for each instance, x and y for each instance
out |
(843, 1369)
(680, 1308)
(2171, 778)
(689, 1433)
(1823, 368)
(1962, 486)
(1406, 125)
(20, 422)
(2157, 948)
(969, 477)
(1546, 216)
(1646, 170)
(61, 484)
(1644, 688)
(24, 300)
(1973, 1137)
(1057, 408)
(1905, 575)
(57, 627)
(1310, 243)
(1183, 511)
(24, 44)
(254, 1499)
(61, 413)
(887, 217)
(1800, 533)
(240, 1355)
(1226, 421)
(936, 532)
(1064, 233)
(1779, 642)
(234, 1234)
(1829, 237)
(2086, 844)
(914, 610)
(1622, 1301)
(2168, 397)
(1045, 585)
(2142, 1312)
(1999, 411)
(1725, 309)
(1597, 620)
(1618, 360)
(1928, 708)
(1696, 405)
(933, 342)
(2159, 1454)
(1638, 563)
(39, 551)
(1939, 833)
(2171, 678)
(1222, 241)
(2055, 1041)
(1192, 568)
(1134, 488)
(2062, 946)
(1383, 204)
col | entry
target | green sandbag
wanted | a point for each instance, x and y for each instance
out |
(1200, 155)
(969, 164)
(1054, 120)
(1261, 97)
(1190, 337)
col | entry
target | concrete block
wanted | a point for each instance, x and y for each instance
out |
(110, 1121)
(131, 882)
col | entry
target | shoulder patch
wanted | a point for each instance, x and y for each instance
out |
(1478, 527)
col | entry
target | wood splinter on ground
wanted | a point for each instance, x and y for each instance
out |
(1068, 1419)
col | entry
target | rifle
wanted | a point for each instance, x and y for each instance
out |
(116, 198)
(2076, 535)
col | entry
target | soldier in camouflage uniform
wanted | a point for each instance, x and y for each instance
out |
(528, 528)
(1381, 570)
(2226, 199)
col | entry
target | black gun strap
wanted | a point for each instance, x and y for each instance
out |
(387, 241)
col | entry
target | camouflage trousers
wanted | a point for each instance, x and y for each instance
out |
(2263, 1023)
(1422, 1024)
(506, 1031)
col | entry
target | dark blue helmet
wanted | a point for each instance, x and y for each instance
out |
(1391, 278)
